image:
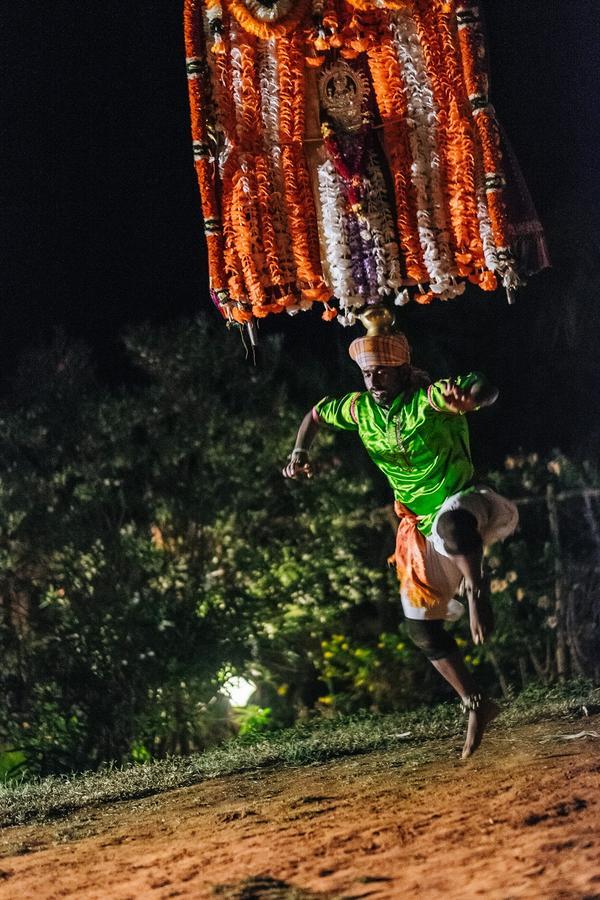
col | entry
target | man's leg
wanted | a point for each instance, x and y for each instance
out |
(440, 649)
(462, 542)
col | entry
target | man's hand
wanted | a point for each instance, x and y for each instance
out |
(459, 400)
(299, 465)
(463, 400)
(481, 614)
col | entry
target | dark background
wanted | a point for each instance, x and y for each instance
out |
(102, 216)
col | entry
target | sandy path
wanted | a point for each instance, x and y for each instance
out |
(521, 819)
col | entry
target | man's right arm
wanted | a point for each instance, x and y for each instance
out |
(333, 412)
(298, 462)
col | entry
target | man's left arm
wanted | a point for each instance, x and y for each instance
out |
(463, 394)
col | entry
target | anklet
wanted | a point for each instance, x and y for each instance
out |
(471, 703)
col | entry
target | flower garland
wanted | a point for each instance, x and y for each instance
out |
(358, 229)
(358, 32)
(487, 239)
(264, 203)
(381, 225)
(298, 196)
(265, 29)
(246, 200)
(369, 5)
(472, 47)
(471, 229)
(200, 108)
(223, 107)
(367, 218)
(324, 34)
(247, 233)
(268, 240)
(454, 140)
(271, 12)
(280, 208)
(387, 83)
(425, 169)
(243, 61)
(335, 237)
(237, 293)
(214, 21)
(264, 173)
(269, 94)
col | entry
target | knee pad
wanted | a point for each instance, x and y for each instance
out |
(430, 636)
(458, 530)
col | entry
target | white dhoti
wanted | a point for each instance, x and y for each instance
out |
(496, 518)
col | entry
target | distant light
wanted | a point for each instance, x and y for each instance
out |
(239, 690)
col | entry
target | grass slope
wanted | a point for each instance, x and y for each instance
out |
(305, 744)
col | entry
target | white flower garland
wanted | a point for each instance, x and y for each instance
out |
(425, 170)
(236, 78)
(335, 238)
(378, 229)
(268, 79)
(485, 230)
(499, 260)
(382, 230)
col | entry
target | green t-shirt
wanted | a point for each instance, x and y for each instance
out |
(421, 448)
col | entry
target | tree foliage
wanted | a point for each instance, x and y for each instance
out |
(150, 548)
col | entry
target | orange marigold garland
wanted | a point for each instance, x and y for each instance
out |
(272, 178)
(247, 234)
(200, 106)
(269, 240)
(324, 34)
(369, 5)
(257, 181)
(457, 151)
(240, 192)
(297, 189)
(476, 250)
(424, 140)
(266, 28)
(387, 83)
(233, 302)
(447, 215)
(472, 47)
(237, 293)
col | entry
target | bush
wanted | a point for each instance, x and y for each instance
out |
(150, 549)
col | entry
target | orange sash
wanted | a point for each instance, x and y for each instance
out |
(409, 558)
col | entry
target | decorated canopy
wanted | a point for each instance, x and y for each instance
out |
(347, 153)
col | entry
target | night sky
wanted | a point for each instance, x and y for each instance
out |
(103, 225)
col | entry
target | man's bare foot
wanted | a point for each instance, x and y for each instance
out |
(479, 719)
(481, 614)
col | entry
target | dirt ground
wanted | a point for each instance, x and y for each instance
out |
(520, 819)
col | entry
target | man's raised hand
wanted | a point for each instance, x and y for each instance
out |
(459, 400)
(463, 400)
(298, 466)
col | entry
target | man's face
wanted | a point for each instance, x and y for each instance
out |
(384, 383)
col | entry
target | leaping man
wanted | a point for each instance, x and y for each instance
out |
(416, 433)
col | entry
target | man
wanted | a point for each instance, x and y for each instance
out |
(416, 434)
